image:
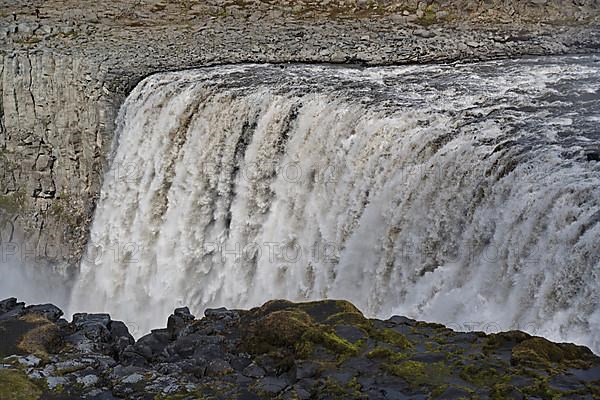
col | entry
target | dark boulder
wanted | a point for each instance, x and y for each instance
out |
(9, 304)
(48, 311)
(180, 318)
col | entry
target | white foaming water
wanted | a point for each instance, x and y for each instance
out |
(453, 194)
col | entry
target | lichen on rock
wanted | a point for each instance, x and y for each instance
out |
(284, 350)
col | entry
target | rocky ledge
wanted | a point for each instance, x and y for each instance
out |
(317, 350)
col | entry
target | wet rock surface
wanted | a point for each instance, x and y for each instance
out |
(283, 350)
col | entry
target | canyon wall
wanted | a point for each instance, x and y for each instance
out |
(56, 127)
(65, 68)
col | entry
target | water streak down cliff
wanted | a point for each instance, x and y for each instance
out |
(461, 194)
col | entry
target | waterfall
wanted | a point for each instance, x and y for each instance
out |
(467, 194)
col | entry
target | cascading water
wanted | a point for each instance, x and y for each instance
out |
(468, 195)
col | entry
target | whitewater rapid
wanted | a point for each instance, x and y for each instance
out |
(466, 194)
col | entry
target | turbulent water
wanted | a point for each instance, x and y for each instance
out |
(465, 194)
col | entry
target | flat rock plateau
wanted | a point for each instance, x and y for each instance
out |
(284, 350)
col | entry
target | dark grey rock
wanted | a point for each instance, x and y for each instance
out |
(454, 393)
(48, 311)
(586, 375)
(8, 304)
(240, 362)
(218, 368)
(185, 346)
(359, 364)
(306, 369)
(208, 352)
(221, 313)
(107, 395)
(429, 357)
(350, 333)
(271, 385)
(95, 331)
(301, 393)
(82, 319)
(198, 360)
(245, 394)
(254, 371)
(343, 377)
(180, 318)
(152, 345)
(397, 319)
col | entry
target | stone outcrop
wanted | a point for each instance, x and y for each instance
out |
(67, 66)
(283, 350)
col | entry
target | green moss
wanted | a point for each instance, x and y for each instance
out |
(538, 352)
(58, 389)
(354, 385)
(45, 338)
(483, 376)
(392, 337)
(285, 327)
(541, 389)
(417, 373)
(322, 311)
(502, 391)
(497, 340)
(304, 349)
(408, 370)
(332, 389)
(438, 391)
(349, 318)
(432, 347)
(14, 385)
(385, 354)
(337, 344)
(431, 325)
(319, 311)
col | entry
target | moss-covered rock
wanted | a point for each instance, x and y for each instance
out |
(14, 385)
(43, 339)
(285, 350)
(287, 327)
(540, 352)
(392, 337)
(29, 334)
(418, 373)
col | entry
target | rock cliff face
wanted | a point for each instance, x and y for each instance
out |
(67, 66)
(56, 128)
(283, 350)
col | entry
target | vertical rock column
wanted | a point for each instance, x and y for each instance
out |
(56, 122)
